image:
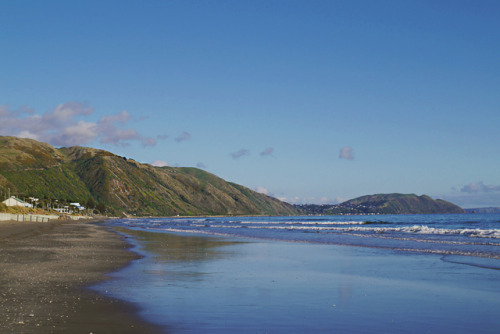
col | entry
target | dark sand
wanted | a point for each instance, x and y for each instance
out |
(44, 269)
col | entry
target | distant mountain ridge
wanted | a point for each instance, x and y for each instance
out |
(80, 174)
(384, 204)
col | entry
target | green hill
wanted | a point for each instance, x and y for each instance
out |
(384, 204)
(87, 175)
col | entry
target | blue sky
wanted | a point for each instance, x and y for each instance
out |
(307, 101)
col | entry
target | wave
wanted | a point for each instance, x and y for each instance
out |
(304, 222)
(473, 232)
(422, 239)
(442, 236)
(416, 229)
(423, 229)
(275, 227)
(444, 252)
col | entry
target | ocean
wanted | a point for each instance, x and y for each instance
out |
(314, 274)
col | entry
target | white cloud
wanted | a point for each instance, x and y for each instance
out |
(312, 200)
(116, 136)
(262, 190)
(63, 126)
(473, 200)
(346, 153)
(293, 200)
(65, 112)
(479, 187)
(4, 111)
(72, 135)
(339, 199)
(159, 163)
(27, 134)
(122, 117)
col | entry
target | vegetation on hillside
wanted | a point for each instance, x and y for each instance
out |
(119, 185)
(384, 204)
(115, 185)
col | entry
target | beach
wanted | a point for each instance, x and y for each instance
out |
(71, 277)
(45, 269)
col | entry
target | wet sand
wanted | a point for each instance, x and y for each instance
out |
(44, 271)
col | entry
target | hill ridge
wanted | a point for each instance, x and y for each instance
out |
(393, 203)
(124, 186)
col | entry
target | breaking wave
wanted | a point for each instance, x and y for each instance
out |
(471, 235)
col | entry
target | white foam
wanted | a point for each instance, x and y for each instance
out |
(418, 229)
(304, 223)
(473, 232)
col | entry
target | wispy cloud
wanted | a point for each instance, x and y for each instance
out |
(346, 153)
(65, 126)
(201, 165)
(241, 153)
(267, 152)
(479, 187)
(111, 134)
(183, 137)
(159, 163)
(312, 200)
(473, 199)
(262, 190)
(162, 137)
(291, 200)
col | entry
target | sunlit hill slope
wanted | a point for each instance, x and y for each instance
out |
(78, 174)
(384, 204)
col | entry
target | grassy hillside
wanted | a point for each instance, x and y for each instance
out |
(402, 203)
(385, 204)
(123, 185)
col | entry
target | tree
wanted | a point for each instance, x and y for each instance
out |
(90, 203)
(101, 207)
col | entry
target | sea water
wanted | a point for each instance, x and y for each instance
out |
(345, 274)
(459, 234)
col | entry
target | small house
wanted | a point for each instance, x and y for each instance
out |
(13, 201)
(78, 206)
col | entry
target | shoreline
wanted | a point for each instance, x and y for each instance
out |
(45, 271)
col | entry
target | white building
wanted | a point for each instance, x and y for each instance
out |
(78, 206)
(64, 209)
(13, 201)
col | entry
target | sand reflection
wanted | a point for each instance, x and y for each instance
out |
(171, 248)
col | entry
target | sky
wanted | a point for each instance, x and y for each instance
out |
(307, 101)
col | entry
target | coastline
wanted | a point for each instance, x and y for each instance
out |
(44, 274)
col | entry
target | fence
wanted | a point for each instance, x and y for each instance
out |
(27, 218)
